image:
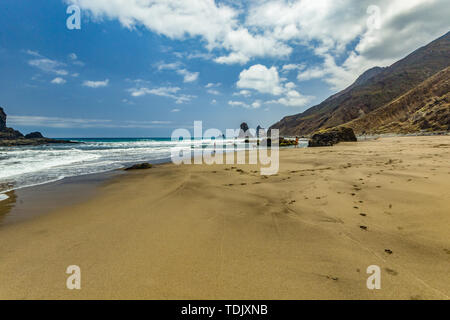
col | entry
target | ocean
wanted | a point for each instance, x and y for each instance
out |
(29, 166)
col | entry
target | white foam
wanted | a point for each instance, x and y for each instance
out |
(3, 196)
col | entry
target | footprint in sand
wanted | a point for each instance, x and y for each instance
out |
(447, 251)
(388, 251)
(363, 215)
(363, 228)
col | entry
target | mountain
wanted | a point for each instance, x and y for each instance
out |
(424, 108)
(375, 88)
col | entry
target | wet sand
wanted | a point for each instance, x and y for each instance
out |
(226, 232)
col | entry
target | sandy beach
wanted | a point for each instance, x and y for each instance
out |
(226, 232)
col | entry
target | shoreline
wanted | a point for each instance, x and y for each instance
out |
(226, 232)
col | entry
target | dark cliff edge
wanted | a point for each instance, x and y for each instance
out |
(12, 138)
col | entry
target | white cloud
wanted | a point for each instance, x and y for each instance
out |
(58, 80)
(60, 122)
(265, 80)
(245, 93)
(188, 76)
(261, 79)
(178, 67)
(56, 122)
(169, 92)
(213, 101)
(254, 105)
(330, 29)
(312, 73)
(48, 65)
(168, 66)
(213, 85)
(217, 24)
(214, 92)
(175, 110)
(96, 84)
(337, 32)
(292, 98)
(292, 66)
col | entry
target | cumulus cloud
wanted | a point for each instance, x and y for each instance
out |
(217, 24)
(261, 79)
(331, 29)
(267, 81)
(96, 84)
(188, 76)
(254, 105)
(58, 80)
(348, 36)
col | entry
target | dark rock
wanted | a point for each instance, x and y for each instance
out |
(244, 127)
(258, 129)
(330, 137)
(10, 134)
(2, 119)
(141, 166)
(34, 135)
(244, 131)
(11, 138)
(287, 143)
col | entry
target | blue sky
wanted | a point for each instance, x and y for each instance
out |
(145, 68)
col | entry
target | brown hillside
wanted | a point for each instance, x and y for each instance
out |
(374, 89)
(424, 108)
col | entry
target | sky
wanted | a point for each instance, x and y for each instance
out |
(143, 68)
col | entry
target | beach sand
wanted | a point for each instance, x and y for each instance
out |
(217, 232)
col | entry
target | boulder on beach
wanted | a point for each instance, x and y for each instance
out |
(140, 166)
(330, 137)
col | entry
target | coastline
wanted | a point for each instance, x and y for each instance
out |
(217, 232)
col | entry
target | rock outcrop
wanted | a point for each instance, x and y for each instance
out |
(330, 137)
(2, 119)
(140, 166)
(34, 135)
(10, 137)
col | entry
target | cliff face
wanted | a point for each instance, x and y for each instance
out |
(5, 132)
(374, 89)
